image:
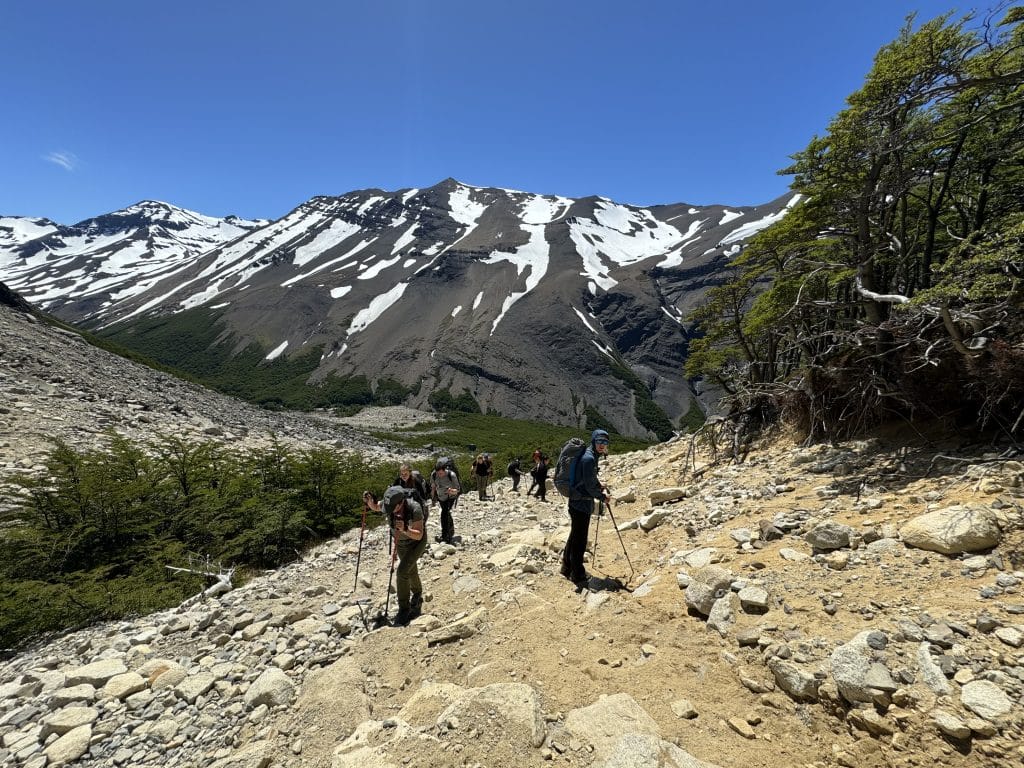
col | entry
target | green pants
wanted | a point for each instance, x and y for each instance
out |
(407, 576)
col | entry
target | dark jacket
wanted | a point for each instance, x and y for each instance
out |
(587, 485)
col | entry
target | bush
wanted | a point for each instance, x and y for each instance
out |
(91, 538)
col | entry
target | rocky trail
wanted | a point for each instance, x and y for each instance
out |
(851, 605)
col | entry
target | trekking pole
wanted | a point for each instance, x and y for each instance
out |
(382, 619)
(616, 527)
(597, 530)
(359, 552)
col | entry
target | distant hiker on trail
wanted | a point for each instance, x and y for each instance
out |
(405, 516)
(585, 489)
(535, 458)
(482, 470)
(539, 473)
(515, 473)
(445, 489)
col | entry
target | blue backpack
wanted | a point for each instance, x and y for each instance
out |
(565, 468)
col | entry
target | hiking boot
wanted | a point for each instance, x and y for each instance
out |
(416, 605)
(580, 578)
(402, 618)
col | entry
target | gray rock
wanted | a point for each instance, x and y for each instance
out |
(69, 747)
(950, 724)
(706, 586)
(603, 723)
(722, 615)
(95, 674)
(798, 683)
(273, 688)
(931, 673)
(985, 699)
(953, 530)
(639, 750)
(754, 599)
(828, 536)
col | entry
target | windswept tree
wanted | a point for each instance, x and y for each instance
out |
(894, 287)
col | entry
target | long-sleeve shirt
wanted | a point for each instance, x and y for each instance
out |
(587, 486)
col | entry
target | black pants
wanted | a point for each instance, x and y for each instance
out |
(572, 556)
(515, 482)
(447, 523)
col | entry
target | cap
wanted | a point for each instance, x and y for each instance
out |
(393, 496)
(599, 436)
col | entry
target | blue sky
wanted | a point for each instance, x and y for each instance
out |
(252, 108)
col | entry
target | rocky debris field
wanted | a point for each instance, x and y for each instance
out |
(855, 605)
(53, 384)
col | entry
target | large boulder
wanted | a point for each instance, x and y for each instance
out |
(605, 722)
(953, 530)
(521, 716)
(708, 585)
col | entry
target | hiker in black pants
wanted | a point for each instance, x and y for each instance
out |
(533, 481)
(540, 477)
(585, 490)
(482, 470)
(515, 473)
(445, 489)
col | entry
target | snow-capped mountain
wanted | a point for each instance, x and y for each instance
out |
(15, 230)
(539, 306)
(73, 268)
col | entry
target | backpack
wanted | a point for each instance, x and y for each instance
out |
(565, 467)
(446, 463)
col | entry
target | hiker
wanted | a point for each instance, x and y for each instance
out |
(405, 516)
(412, 479)
(585, 489)
(540, 477)
(482, 470)
(515, 473)
(445, 489)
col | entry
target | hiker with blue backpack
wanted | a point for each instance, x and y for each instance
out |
(576, 478)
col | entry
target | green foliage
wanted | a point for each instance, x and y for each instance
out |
(390, 392)
(442, 401)
(901, 266)
(693, 419)
(197, 342)
(596, 420)
(92, 536)
(647, 412)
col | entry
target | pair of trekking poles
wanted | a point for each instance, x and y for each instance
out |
(381, 619)
(597, 529)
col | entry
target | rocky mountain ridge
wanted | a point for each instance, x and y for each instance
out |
(539, 306)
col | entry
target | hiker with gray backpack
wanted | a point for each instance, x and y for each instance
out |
(576, 479)
(445, 489)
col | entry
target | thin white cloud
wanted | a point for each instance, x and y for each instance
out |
(66, 160)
